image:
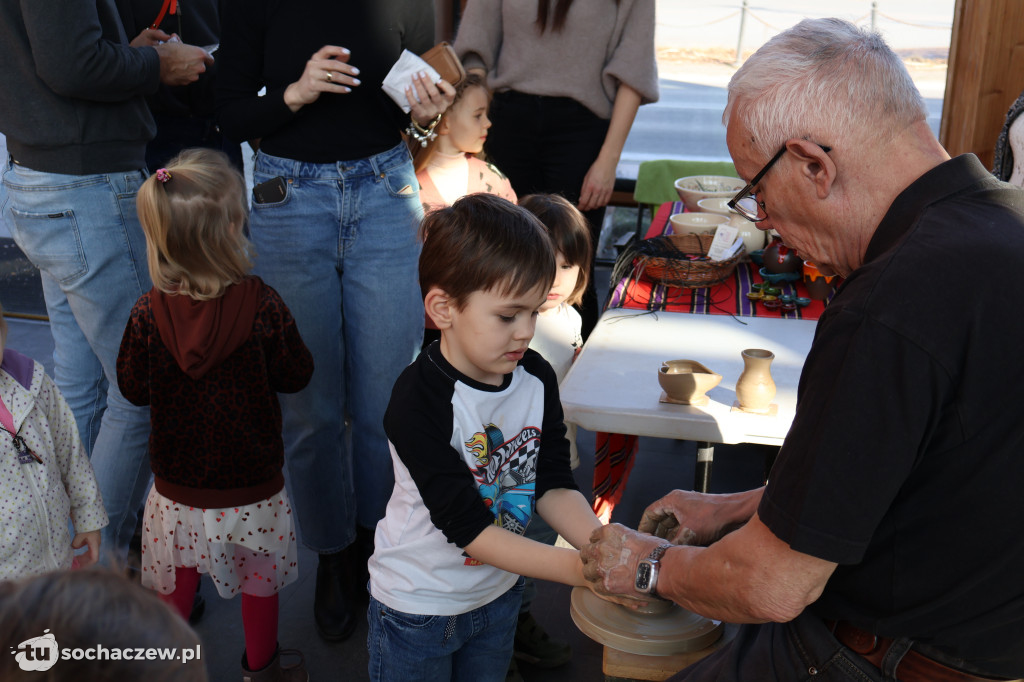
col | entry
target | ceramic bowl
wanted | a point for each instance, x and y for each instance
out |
(696, 223)
(719, 205)
(693, 188)
(686, 381)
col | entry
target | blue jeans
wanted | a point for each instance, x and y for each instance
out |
(83, 234)
(342, 249)
(473, 646)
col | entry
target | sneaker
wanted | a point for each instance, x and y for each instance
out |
(536, 646)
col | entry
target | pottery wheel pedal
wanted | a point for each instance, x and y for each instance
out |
(669, 638)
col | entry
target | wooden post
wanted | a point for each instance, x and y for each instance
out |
(985, 75)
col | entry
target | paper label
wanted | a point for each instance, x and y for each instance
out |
(724, 245)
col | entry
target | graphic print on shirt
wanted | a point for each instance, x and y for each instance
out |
(506, 473)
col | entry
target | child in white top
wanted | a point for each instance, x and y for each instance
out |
(558, 338)
(448, 168)
(559, 335)
(45, 475)
(478, 444)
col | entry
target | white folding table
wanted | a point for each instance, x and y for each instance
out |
(613, 384)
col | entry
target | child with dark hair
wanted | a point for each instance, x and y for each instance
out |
(478, 444)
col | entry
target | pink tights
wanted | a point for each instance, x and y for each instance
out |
(259, 616)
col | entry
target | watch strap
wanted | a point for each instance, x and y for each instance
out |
(658, 552)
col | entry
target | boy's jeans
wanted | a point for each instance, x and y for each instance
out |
(83, 234)
(342, 249)
(475, 646)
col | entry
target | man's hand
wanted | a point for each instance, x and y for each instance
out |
(684, 517)
(181, 64)
(611, 559)
(150, 37)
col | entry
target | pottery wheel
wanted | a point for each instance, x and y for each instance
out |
(674, 631)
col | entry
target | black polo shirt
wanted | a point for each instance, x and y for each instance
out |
(905, 461)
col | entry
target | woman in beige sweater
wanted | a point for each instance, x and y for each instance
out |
(568, 77)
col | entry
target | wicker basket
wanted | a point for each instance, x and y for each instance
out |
(667, 260)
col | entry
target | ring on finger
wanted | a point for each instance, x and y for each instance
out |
(329, 77)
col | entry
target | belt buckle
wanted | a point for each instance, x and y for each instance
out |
(860, 641)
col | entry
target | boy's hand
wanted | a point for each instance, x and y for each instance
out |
(92, 539)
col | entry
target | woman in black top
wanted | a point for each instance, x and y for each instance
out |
(334, 221)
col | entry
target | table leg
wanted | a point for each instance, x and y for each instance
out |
(702, 476)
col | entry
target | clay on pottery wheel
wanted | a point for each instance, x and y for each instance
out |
(686, 381)
(779, 258)
(673, 631)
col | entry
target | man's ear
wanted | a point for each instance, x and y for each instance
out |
(815, 165)
(439, 307)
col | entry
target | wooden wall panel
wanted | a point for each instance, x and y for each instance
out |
(985, 75)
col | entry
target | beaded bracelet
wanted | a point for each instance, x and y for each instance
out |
(423, 135)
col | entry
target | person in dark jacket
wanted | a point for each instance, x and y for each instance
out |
(75, 116)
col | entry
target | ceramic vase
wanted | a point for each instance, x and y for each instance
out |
(819, 286)
(755, 387)
(753, 238)
(779, 258)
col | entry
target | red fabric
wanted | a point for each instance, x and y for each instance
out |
(726, 298)
(186, 579)
(201, 334)
(613, 460)
(614, 455)
(259, 620)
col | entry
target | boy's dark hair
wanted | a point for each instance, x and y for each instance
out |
(569, 232)
(483, 242)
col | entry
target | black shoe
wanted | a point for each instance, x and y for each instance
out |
(332, 604)
(359, 567)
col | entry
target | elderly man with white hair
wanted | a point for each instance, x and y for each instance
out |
(887, 544)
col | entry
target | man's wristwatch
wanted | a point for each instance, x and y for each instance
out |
(647, 571)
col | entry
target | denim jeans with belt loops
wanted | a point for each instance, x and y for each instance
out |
(83, 234)
(342, 250)
(475, 646)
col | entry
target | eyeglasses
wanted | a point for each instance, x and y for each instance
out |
(745, 202)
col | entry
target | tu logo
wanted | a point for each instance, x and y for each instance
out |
(37, 654)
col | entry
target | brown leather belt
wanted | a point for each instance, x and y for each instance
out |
(913, 667)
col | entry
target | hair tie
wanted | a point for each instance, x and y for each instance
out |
(163, 175)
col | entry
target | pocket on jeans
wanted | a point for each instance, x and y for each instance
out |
(401, 181)
(52, 242)
(408, 620)
(259, 179)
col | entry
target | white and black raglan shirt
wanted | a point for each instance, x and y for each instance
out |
(467, 455)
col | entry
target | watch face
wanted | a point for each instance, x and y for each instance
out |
(643, 577)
